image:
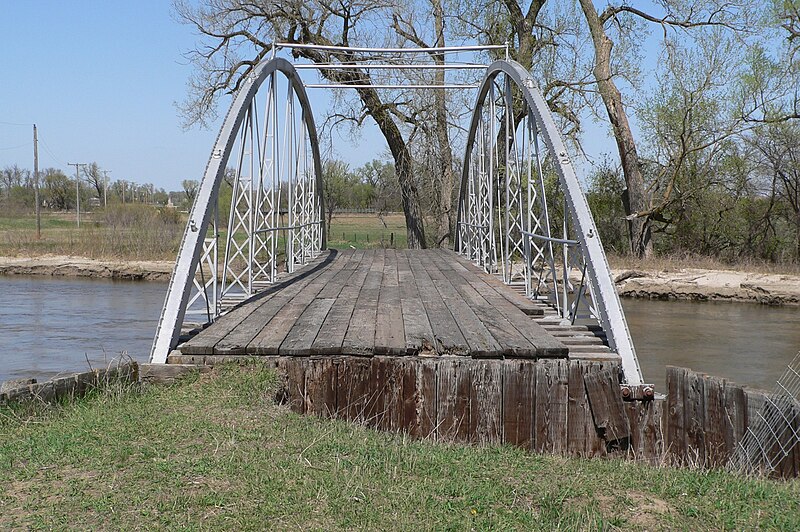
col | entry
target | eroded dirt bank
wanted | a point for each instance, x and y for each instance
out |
(61, 265)
(709, 285)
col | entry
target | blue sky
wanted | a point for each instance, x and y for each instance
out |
(100, 80)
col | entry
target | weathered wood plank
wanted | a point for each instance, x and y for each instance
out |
(480, 341)
(510, 327)
(304, 331)
(605, 400)
(486, 401)
(243, 338)
(320, 387)
(459, 263)
(694, 419)
(582, 436)
(241, 315)
(447, 335)
(360, 336)
(716, 423)
(676, 425)
(416, 325)
(453, 393)
(647, 433)
(351, 398)
(551, 405)
(390, 338)
(519, 394)
(337, 321)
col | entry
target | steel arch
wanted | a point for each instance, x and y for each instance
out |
(305, 231)
(502, 214)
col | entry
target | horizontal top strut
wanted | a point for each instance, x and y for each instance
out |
(441, 49)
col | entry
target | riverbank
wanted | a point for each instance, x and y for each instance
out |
(71, 266)
(666, 282)
(695, 284)
(121, 459)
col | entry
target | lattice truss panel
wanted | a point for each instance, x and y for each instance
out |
(523, 214)
(267, 156)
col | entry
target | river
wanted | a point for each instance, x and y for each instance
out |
(52, 325)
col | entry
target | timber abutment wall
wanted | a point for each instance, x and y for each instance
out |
(558, 406)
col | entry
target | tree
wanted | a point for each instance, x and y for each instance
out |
(337, 182)
(59, 191)
(779, 146)
(94, 176)
(190, 187)
(241, 34)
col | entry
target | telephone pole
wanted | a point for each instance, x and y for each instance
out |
(36, 183)
(105, 189)
(77, 190)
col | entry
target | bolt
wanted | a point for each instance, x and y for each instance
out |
(648, 391)
(626, 392)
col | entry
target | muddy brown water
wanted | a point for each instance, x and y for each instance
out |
(54, 325)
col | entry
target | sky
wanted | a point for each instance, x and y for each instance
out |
(101, 80)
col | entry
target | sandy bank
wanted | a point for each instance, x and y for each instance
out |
(673, 283)
(61, 265)
(709, 285)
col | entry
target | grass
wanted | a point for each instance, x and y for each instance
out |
(126, 232)
(368, 231)
(214, 451)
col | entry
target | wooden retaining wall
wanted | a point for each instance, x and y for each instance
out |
(542, 405)
(559, 406)
(706, 417)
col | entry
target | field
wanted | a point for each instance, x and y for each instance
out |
(141, 233)
(214, 451)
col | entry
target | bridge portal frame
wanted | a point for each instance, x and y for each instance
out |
(504, 210)
(255, 214)
(493, 228)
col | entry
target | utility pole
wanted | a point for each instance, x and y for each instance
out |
(36, 183)
(77, 190)
(105, 189)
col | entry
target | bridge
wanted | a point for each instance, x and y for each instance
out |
(523, 305)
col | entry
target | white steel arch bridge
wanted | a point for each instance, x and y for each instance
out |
(522, 214)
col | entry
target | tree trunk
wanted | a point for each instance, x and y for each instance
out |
(403, 168)
(639, 226)
(446, 220)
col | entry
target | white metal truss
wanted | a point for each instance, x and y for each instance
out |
(268, 152)
(543, 232)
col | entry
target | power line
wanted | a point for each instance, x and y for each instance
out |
(16, 147)
(14, 124)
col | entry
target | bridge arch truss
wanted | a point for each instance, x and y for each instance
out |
(522, 213)
(267, 153)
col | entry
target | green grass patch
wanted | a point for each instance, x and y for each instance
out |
(215, 452)
(365, 231)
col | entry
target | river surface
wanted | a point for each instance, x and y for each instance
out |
(54, 325)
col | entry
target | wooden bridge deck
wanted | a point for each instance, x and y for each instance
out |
(385, 302)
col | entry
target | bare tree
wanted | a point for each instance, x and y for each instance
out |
(241, 34)
(94, 175)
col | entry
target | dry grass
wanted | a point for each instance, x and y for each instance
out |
(678, 262)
